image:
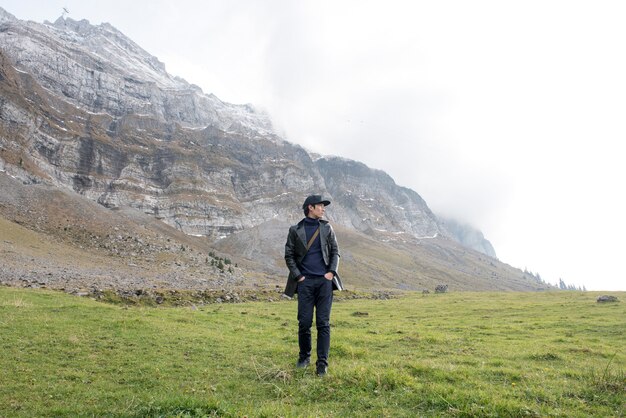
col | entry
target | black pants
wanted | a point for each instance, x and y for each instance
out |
(314, 292)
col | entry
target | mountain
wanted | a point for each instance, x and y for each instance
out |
(468, 236)
(87, 111)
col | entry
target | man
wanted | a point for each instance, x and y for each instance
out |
(312, 257)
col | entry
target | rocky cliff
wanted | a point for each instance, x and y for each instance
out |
(85, 109)
(116, 127)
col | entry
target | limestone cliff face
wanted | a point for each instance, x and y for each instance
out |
(100, 70)
(370, 201)
(85, 108)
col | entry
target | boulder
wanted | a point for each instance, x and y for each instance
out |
(607, 298)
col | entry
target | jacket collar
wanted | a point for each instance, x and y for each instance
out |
(301, 223)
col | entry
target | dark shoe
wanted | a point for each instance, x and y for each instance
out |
(321, 370)
(301, 364)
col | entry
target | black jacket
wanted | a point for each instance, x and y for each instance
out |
(295, 250)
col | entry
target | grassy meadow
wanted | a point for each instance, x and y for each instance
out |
(456, 354)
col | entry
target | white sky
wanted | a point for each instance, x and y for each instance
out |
(507, 115)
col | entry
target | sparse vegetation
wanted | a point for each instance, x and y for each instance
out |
(453, 354)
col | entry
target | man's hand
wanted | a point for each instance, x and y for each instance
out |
(301, 279)
(329, 276)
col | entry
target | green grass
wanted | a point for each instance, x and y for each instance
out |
(457, 354)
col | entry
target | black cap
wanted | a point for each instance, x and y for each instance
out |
(314, 200)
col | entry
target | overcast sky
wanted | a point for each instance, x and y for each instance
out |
(507, 115)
